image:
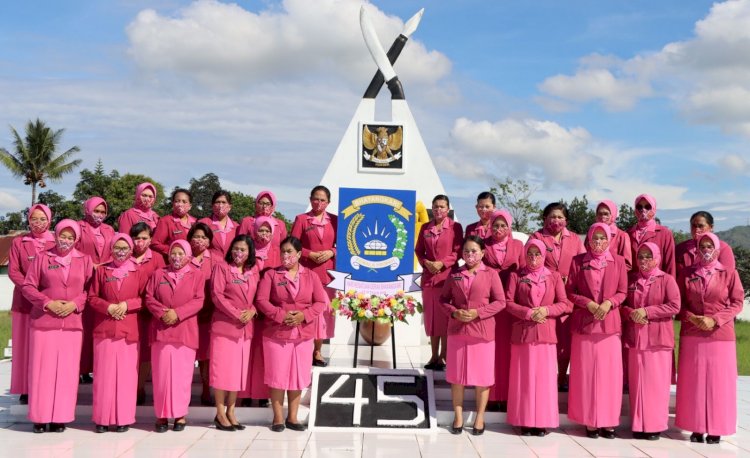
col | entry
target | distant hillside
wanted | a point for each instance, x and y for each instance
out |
(736, 236)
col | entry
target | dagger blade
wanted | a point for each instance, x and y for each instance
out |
(373, 45)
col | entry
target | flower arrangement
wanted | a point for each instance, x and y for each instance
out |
(382, 308)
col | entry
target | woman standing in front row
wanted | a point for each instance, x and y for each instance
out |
(200, 238)
(535, 298)
(233, 286)
(56, 287)
(174, 295)
(472, 295)
(115, 299)
(316, 230)
(712, 296)
(597, 286)
(291, 298)
(648, 335)
(438, 244)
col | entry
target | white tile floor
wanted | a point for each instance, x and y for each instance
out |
(257, 441)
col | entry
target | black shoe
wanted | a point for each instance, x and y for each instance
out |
(180, 426)
(39, 428)
(477, 431)
(696, 437)
(457, 429)
(439, 366)
(651, 436)
(295, 426)
(527, 431)
(122, 429)
(87, 379)
(319, 363)
(593, 434)
(263, 403)
(431, 366)
(713, 439)
(607, 433)
(23, 399)
(278, 427)
(238, 426)
(639, 435)
(218, 425)
(101, 429)
(161, 427)
(540, 432)
(57, 427)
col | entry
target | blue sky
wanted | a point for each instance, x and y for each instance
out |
(609, 99)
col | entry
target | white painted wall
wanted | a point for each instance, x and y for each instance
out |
(6, 292)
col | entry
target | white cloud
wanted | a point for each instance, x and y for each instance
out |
(591, 84)
(735, 164)
(10, 199)
(225, 46)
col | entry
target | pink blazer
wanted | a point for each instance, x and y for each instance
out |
(247, 227)
(22, 254)
(570, 246)
(686, 254)
(519, 305)
(186, 299)
(722, 301)
(486, 296)
(219, 249)
(104, 292)
(620, 244)
(86, 245)
(445, 250)
(513, 261)
(312, 241)
(274, 299)
(231, 299)
(210, 259)
(130, 218)
(662, 303)
(472, 229)
(44, 283)
(614, 289)
(664, 239)
(168, 230)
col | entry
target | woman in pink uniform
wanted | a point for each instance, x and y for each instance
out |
(485, 210)
(115, 298)
(23, 251)
(597, 286)
(141, 211)
(174, 295)
(686, 253)
(438, 244)
(146, 261)
(647, 230)
(562, 246)
(95, 241)
(56, 286)
(316, 230)
(223, 227)
(504, 255)
(233, 286)
(606, 212)
(265, 206)
(175, 226)
(653, 299)
(712, 296)
(204, 259)
(535, 298)
(471, 296)
(291, 297)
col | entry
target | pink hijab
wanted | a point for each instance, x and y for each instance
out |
(176, 275)
(644, 226)
(147, 214)
(259, 211)
(90, 205)
(68, 224)
(537, 275)
(598, 260)
(707, 266)
(40, 240)
(121, 269)
(504, 214)
(654, 249)
(612, 212)
(261, 251)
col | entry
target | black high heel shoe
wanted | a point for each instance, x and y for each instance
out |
(592, 433)
(607, 433)
(477, 431)
(696, 437)
(39, 428)
(713, 439)
(219, 426)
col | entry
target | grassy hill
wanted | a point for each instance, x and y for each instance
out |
(736, 236)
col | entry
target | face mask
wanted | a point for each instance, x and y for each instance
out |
(599, 246)
(221, 210)
(199, 245)
(263, 210)
(645, 215)
(603, 219)
(121, 256)
(65, 245)
(500, 233)
(239, 257)
(708, 254)
(484, 213)
(472, 259)
(181, 209)
(440, 213)
(177, 261)
(318, 206)
(557, 225)
(141, 245)
(96, 220)
(38, 227)
(289, 260)
(147, 202)
(646, 265)
(698, 233)
(534, 262)
(263, 238)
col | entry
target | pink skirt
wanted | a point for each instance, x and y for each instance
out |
(503, 326)
(115, 381)
(595, 397)
(649, 374)
(288, 363)
(707, 386)
(325, 324)
(54, 361)
(19, 365)
(230, 361)
(532, 392)
(435, 321)
(172, 368)
(204, 342)
(470, 361)
(255, 387)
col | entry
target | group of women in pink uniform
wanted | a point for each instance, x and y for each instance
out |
(242, 298)
(510, 319)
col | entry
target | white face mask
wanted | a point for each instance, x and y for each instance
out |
(65, 245)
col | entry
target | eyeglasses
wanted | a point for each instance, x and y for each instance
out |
(643, 207)
(264, 204)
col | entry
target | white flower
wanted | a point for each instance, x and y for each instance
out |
(388, 311)
(368, 314)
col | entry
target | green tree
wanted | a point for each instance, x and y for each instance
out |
(61, 207)
(121, 192)
(203, 190)
(680, 236)
(242, 205)
(35, 157)
(742, 258)
(515, 196)
(13, 221)
(580, 216)
(626, 217)
(94, 183)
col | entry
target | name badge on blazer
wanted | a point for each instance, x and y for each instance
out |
(53, 266)
(311, 228)
(694, 279)
(550, 249)
(109, 279)
(587, 268)
(458, 278)
(178, 231)
(217, 230)
(632, 288)
(30, 258)
(163, 282)
(237, 282)
(525, 280)
(282, 283)
(428, 234)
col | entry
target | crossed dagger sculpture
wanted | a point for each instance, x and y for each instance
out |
(384, 61)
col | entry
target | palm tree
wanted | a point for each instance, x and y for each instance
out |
(35, 159)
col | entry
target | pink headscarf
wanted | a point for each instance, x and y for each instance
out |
(261, 251)
(138, 190)
(612, 214)
(68, 224)
(259, 210)
(120, 269)
(504, 214)
(40, 240)
(656, 253)
(90, 205)
(176, 275)
(536, 275)
(706, 267)
(598, 260)
(650, 224)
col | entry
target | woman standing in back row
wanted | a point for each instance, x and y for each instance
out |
(647, 230)
(141, 211)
